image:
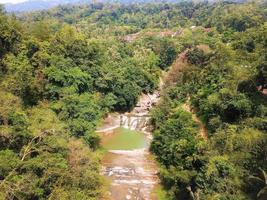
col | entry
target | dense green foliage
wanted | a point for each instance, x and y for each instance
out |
(222, 81)
(63, 69)
(57, 83)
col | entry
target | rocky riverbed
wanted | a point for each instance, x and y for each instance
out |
(132, 173)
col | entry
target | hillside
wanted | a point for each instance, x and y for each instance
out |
(35, 5)
(178, 90)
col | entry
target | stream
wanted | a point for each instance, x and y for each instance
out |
(128, 164)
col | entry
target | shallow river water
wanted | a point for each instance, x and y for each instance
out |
(128, 165)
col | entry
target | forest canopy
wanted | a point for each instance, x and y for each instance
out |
(64, 69)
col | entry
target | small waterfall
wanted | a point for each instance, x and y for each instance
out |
(134, 122)
(133, 172)
(124, 121)
(138, 119)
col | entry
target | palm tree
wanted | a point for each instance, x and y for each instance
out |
(260, 182)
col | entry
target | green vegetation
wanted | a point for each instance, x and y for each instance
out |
(161, 194)
(62, 70)
(57, 83)
(222, 81)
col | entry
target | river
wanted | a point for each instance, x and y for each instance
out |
(128, 164)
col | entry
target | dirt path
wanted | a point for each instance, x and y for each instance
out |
(202, 129)
(173, 76)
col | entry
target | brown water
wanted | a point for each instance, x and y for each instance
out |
(128, 165)
(132, 174)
